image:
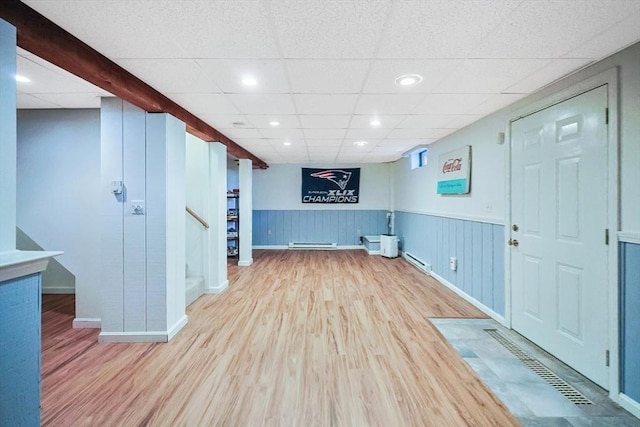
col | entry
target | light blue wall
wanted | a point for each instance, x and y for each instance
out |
(20, 354)
(343, 227)
(630, 319)
(479, 248)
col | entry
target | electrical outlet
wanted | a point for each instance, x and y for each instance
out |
(269, 232)
(453, 263)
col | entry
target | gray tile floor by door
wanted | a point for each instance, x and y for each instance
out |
(531, 399)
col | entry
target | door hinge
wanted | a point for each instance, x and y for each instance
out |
(606, 357)
(606, 116)
(606, 236)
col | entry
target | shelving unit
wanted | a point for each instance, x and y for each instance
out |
(233, 224)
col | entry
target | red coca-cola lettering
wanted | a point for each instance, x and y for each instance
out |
(452, 165)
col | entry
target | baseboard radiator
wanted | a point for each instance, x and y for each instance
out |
(312, 245)
(417, 262)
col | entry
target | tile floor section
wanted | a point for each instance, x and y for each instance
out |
(529, 397)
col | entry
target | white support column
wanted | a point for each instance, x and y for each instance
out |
(8, 147)
(246, 212)
(216, 264)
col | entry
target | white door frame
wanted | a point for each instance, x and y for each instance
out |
(610, 79)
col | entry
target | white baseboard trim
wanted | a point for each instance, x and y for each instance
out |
(245, 263)
(59, 290)
(87, 323)
(279, 247)
(181, 323)
(152, 336)
(217, 289)
(373, 252)
(486, 310)
(629, 404)
(350, 247)
(270, 247)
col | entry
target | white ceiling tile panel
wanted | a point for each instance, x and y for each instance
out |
(329, 28)
(289, 121)
(208, 103)
(383, 74)
(402, 143)
(457, 103)
(551, 28)
(387, 104)
(216, 28)
(549, 73)
(324, 103)
(171, 75)
(327, 76)
(324, 142)
(386, 121)
(325, 122)
(263, 103)
(24, 100)
(281, 134)
(366, 134)
(117, 29)
(322, 134)
(441, 28)
(72, 100)
(224, 121)
(489, 75)
(612, 39)
(422, 121)
(459, 121)
(228, 74)
(242, 133)
(419, 133)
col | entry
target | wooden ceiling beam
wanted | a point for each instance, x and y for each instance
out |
(50, 42)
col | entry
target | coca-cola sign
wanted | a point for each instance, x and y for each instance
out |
(454, 175)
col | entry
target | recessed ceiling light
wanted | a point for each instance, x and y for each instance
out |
(249, 81)
(274, 123)
(408, 80)
(375, 123)
(22, 79)
(287, 143)
(360, 143)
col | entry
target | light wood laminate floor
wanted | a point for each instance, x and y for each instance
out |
(301, 338)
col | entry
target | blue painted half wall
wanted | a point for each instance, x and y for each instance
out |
(344, 227)
(478, 247)
(630, 319)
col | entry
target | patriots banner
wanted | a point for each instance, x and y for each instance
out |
(330, 185)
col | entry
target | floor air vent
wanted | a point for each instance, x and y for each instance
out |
(542, 371)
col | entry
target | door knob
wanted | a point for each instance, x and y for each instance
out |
(513, 242)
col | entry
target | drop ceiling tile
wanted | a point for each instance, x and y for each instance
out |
(420, 134)
(289, 121)
(26, 101)
(383, 73)
(402, 144)
(441, 28)
(171, 75)
(263, 103)
(216, 28)
(227, 74)
(459, 121)
(350, 157)
(329, 28)
(421, 121)
(324, 103)
(282, 134)
(387, 104)
(565, 25)
(242, 133)
(623, 33)
(456, 103)
(327, 76)
(207, 103)
(367, 134)
(386, 122)
(495, 103)
(323, 134)
(489, 75)
(72, 100)
(325, 122)
(547, 74)
(98, 22)
(324, 142)
(225, 121)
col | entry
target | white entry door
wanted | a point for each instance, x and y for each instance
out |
(559, 253)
